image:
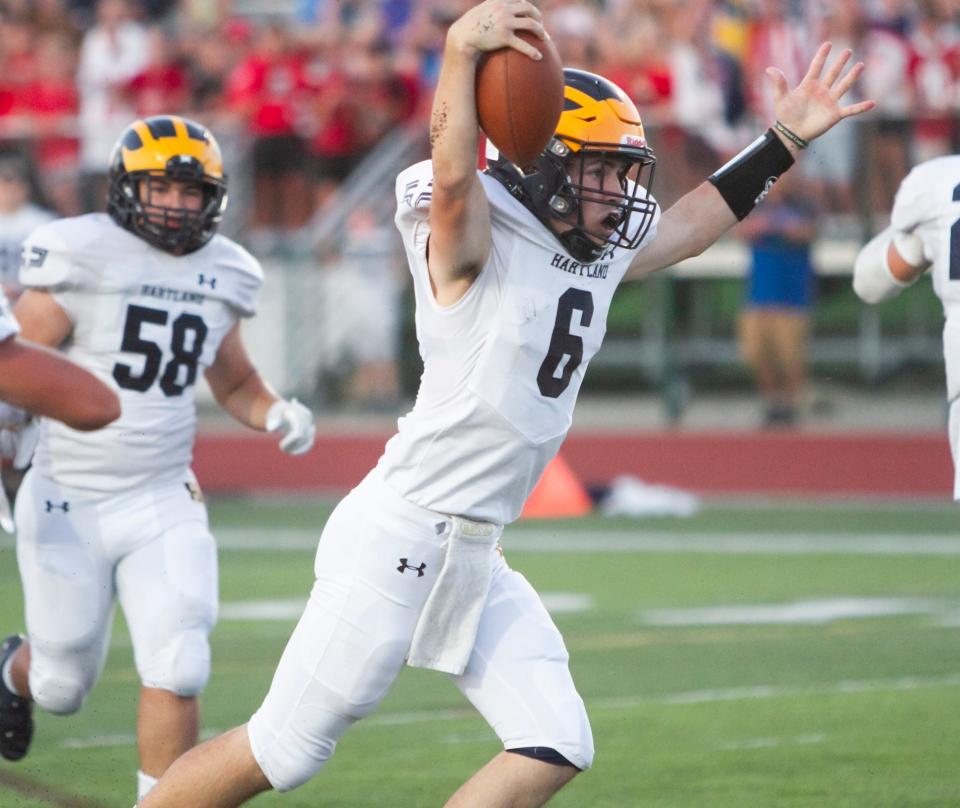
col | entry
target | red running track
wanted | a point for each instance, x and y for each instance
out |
(749, 463)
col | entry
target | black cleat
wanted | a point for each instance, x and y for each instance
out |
(16, 713)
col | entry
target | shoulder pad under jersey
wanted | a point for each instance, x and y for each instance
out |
(49, 256)
(238, 274)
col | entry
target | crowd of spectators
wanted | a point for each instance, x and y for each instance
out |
(303, 92)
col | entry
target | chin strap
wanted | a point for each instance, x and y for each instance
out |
(573, 241)
(580, 247)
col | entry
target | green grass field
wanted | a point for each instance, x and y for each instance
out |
(754, 655)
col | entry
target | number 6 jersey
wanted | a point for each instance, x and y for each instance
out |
(145, 322)
(502, 366)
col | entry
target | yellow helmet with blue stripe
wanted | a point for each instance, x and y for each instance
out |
(175, 149)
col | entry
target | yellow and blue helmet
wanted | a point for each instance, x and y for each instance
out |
(598, 121)
(172, 148)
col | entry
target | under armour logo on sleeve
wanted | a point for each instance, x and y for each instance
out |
(61, 506)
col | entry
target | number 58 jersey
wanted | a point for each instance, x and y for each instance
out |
(502, 366)
(146, 323)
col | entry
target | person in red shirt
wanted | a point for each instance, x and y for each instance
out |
(51, 104)
(934, 73)
(334, 143)
(17, 63)
(268, 90)
(162, 84)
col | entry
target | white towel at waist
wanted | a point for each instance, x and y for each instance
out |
(447, 629)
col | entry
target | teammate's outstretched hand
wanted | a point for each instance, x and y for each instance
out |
(813, 106)
(295, 422)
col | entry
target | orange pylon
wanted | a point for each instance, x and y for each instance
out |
(558, 494)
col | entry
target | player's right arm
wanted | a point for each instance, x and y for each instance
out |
(459, 211)
(42, 382)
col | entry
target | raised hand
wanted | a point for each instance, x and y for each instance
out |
(814, 105)
(493, 24)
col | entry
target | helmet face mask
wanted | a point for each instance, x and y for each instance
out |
(152, 154)
(573, 187)
(609, 182)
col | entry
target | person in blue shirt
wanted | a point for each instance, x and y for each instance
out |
(774, 324)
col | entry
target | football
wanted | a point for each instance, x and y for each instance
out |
(519, 99)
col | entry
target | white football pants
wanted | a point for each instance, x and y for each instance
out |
(149, 549)
(353, 636)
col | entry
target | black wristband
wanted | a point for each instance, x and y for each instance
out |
(746, 179)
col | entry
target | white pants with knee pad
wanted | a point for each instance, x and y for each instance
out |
(150, 550)
(352, 640)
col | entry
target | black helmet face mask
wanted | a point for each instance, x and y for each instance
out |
(603, 200)
(174, 229)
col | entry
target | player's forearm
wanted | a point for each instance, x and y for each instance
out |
(45, 383)
(686, 229)
(247, 401)
(453, 119)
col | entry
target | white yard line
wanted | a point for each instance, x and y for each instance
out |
(689, 697)
(811, 612)
(292, 608)
(590, 541)
(773, 743)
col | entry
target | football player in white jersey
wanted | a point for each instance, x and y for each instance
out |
(924, 232)
(145, 296)
(513, 275)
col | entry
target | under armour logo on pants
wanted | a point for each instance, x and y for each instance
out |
(405, 566)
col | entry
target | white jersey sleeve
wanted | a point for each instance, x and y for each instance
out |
(913, 203)
(8, 324)
(414, 189)
(235, 276)
(48, 257)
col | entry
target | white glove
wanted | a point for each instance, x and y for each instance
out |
(296, 424)
(18, 443)
(12, 417)
(27, 444)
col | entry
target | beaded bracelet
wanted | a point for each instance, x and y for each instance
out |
(793, 137)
